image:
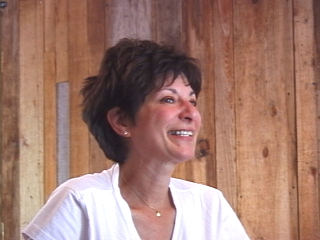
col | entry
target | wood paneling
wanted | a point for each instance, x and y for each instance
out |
(167, 21)
(61, 40)
(197, 41)
(224, 100)
(122, 23)
(259, 104)
(78, 55)
(306, 96)
(265, 118)
(50, 101)
(96, 44)
(31, 108)
(9, 152)
(316, 8)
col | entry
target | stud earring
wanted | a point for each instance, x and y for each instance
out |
(125, 133)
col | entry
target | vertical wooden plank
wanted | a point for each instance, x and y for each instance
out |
(61, 40)
(308, 158)
(50, 118)
(78, 70)
(316, 8)
(31, 108)
(197, 41)
(127, 18)
(265, 128)
(224, 118)
(167, 22)
(96, 44)
(167, 27)
(10, 197)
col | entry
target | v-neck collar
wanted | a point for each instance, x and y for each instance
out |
(126, 212)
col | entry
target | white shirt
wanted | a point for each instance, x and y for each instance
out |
(91, 208)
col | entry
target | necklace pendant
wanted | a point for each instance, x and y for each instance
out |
(158, 214)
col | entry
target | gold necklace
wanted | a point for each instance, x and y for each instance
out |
(158, 213)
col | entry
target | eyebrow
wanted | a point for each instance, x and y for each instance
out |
(174, 91)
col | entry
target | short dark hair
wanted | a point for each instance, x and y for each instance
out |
(129, 71)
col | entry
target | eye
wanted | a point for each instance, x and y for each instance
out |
(168, 100)
(193, 102)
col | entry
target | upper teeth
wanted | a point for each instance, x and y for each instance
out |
(181, 133)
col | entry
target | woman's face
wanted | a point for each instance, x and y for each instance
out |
(166, 125)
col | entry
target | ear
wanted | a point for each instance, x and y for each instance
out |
(117, 121)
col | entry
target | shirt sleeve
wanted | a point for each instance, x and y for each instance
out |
(62, 217)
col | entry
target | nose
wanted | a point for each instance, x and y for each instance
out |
(189, 112)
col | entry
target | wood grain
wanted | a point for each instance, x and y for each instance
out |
(96, 45)
(50, 116)
(259, 104)
(31, 105)
(127, 18)
(307, 146)
(316, 8)
(168, 30)
(167, 22)
(197, 41)
(10, 145)
(265, 127)
(121, 23)
(78, 71)
(223, 78)
(61, 41)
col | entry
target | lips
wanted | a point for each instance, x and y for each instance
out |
(184, 133)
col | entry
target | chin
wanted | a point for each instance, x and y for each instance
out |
(183, 157)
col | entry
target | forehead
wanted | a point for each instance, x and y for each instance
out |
(180, 81)
(178, 86)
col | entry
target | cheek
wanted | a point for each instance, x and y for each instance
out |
(199, 119)
(159, 120)
(161, 113)
(166, 116)
(154, 118)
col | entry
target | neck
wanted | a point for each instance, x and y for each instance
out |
(151, 183)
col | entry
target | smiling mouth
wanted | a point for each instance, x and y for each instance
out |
(181, 133)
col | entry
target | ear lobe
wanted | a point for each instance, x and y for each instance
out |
(117, 121)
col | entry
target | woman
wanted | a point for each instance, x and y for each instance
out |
(141, 108)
